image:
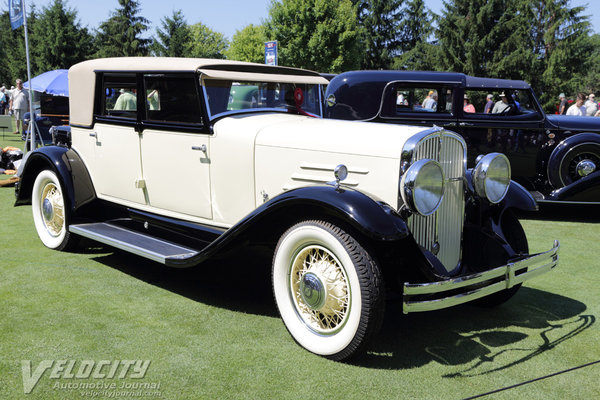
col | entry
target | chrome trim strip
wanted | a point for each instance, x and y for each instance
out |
(530, 268)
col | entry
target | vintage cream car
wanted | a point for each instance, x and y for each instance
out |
(350, 210)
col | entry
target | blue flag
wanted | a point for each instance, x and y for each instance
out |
(15, 9)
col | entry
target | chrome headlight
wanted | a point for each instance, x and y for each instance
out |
(491, 177)
(422, 186)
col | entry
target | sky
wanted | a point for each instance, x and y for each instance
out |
(225, 16)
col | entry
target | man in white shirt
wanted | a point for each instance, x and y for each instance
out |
(19, 104)
(577, 109)
(591, 106)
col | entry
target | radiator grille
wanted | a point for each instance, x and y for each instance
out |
(443, 229)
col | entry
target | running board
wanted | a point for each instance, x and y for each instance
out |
(134, 242)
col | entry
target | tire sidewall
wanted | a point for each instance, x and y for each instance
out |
(290, 244)
(43, 178)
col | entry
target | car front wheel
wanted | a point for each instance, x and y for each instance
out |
(327, 288)
(50, 213)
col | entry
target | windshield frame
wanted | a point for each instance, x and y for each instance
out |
(211, 117)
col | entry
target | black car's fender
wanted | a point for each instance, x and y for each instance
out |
(69, 168)
(375, 220)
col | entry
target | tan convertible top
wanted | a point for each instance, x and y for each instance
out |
(82, 76)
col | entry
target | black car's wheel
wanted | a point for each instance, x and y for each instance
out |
(516, 238)
(50, 212)
(327, 288)
(573, 161)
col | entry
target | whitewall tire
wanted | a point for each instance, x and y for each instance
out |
(327, 288)
(50, 212)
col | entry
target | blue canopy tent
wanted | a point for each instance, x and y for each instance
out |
(53, 87)
(54, 82)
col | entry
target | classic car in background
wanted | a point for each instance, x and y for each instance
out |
(348, 209)
(556, 157)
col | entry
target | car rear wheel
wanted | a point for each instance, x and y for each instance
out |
(327, 288)
(50, 212)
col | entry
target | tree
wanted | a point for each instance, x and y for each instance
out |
(486, 38)
(120, 35)
(58, 40)
(416, 29)
(320, 35)
(174, 39)
(207, 43)
(248, 44)
(12, 48)
(381, 23)
(562, 45)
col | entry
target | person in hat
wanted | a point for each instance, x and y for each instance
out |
(468, 107)
(562, 107)
(578, 109)
(501, 105)
(591, 106)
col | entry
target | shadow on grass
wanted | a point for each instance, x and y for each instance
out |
(481, 340)
(237, 281)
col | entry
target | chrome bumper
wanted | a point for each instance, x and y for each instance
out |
(434, 296)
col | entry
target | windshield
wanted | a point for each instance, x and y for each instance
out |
(226, 96)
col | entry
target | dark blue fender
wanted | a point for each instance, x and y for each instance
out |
(71, 171)
(376, 220)
(581, 190)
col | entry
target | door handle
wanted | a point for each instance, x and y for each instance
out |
(450, 124)
(93, 134)
(466, 124)
(200, 148)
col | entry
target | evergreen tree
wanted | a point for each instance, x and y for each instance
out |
(381, 22)
(321, 35)
(562, 45)
(486, 38)
(174, 39)
(416, 29)
(248, 44)
(58, 40)
(12, 48)
(207, 43)
(120, 35)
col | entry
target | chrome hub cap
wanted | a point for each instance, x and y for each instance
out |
(312, 291)
(52, 209)
(585, 167)
(320, 290)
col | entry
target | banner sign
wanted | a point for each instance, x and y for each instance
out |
(271, 53)
(15, 10)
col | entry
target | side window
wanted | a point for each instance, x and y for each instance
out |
(419, 99)
(500, 103)
(172, 98)
(119, 96)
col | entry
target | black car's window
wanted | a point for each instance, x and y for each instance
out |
(172, 98)
(422, 99)
(119, 96)
(499, 103)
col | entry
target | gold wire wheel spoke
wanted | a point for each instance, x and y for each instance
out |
(328, 314)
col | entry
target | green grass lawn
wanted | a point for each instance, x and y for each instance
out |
(213, 332)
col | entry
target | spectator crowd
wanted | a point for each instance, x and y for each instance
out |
(582, 107)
